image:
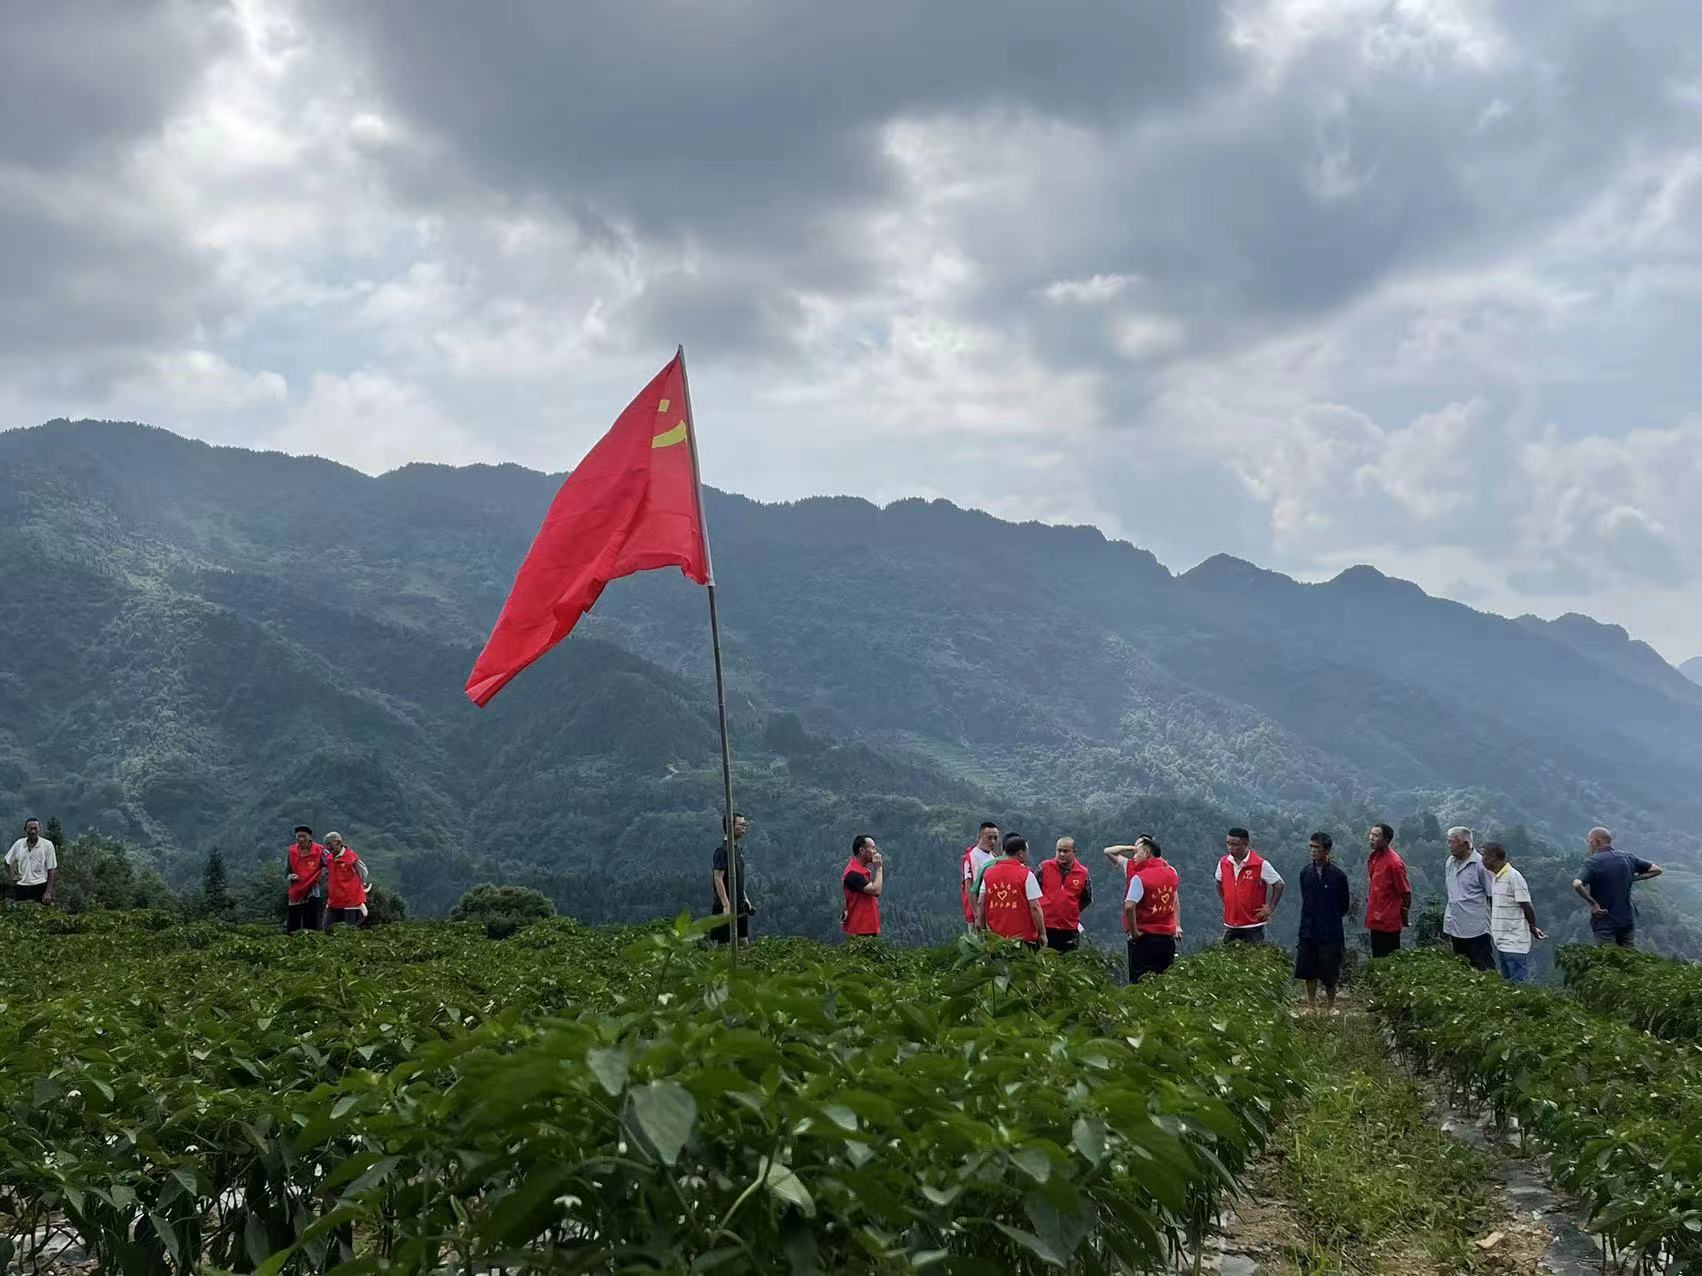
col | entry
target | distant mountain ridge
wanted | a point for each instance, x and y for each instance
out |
(242, 636)
(1692, 669)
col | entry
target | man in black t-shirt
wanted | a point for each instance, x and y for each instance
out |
(718, 878)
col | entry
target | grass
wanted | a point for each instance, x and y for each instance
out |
(1372, 1179)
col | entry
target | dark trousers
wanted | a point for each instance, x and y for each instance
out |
(36, 892)
(1150, 955)
(306, 915)
(1479, 950)
(720, 933)
(1615, 936)
(348, 916)
(1385, 943)
(1244, 934)
(1060, 940)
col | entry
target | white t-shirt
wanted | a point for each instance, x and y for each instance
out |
(1507, 924)
(1267, 874)
(1137, 890)
(32, 863)
(978, 860)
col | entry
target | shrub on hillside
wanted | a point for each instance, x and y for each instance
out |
(502, 910)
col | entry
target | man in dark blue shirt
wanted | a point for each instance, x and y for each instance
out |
(1324, 901)
(1605, 885)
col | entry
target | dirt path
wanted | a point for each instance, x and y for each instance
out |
(1529, 1229)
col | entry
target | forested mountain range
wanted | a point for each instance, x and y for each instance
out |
(200, 646)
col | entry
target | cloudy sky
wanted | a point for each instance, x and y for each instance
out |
(1314, 282)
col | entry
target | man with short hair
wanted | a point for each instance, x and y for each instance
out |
(1152, 908)
(1324, 901)
(1250, 888)
(1007, 898)
(862, 881)
(1512, 920)
(35, 861)
(1064, 891)
(1465, 920)
(976, 856)
(722, 904)
(1604, 884)
(346, 883)
(1388, 894)
(305, 879)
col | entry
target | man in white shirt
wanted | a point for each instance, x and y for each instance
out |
(1250, 888)
(36, 864)
(1512, 920)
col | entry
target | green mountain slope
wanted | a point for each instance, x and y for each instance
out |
(200, 646)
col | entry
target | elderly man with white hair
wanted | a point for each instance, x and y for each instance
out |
(1470, 890)
(1604, 883)
(346, 883)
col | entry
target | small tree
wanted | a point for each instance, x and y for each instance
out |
(215, 886)
(502, 909)
(55, 832)
(384, 906)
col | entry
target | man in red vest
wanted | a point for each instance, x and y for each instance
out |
(1064, 891)
(862, 882)
(1007, 900)
(1249, 886)
(980, 853)
(346, 883)
(305, 877)
(1388, 895)
(1152, 909)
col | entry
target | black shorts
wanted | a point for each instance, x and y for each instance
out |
(1385, 943)
(36, 892)
(1150, 955)
(350, 916)
(1060, 940)
(1320, 960)
(720, 935)
(1244, 935)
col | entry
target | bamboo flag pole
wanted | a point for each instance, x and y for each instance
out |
(734, 898)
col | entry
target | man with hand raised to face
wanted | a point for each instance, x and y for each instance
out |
(1152, 909)
(863, 880)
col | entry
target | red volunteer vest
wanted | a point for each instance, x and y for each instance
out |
(1245, 893)
(1156, 910)
(1006, 886)
(306, 865)
(1060, 894)
(346, 889)
(862, 912)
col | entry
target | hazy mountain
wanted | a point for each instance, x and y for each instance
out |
(201, 645)
(1692, 669)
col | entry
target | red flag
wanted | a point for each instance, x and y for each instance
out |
(632, 505)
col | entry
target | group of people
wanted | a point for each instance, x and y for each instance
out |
(1488, 917)
(325, 884)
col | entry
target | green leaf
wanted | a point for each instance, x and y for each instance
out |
(840, 1115)
(1088, 1135)
(1029, 1241)
(665, 1113)
(788, 1187)
(1033, 1162)
(609, 1065)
